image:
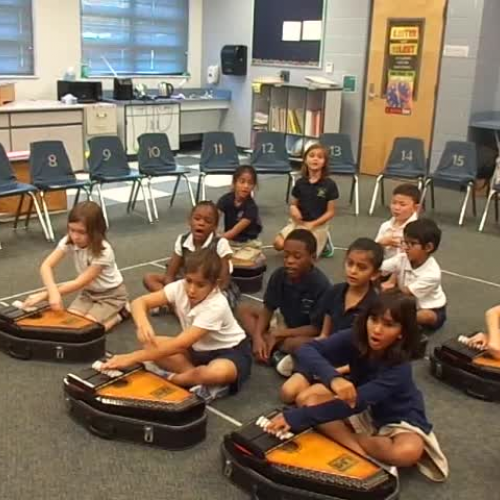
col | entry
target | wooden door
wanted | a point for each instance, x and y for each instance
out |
(403, 69)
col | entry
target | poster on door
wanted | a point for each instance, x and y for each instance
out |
(402, 67)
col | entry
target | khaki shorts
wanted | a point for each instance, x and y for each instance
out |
(102, 306)
(320, 233)
(433, 463)
(249, 250)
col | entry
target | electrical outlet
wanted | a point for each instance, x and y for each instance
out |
(329, 67)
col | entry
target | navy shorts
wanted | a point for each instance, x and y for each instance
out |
(441, 318)
(240, 355)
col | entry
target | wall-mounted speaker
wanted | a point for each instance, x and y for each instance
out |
(234, 59)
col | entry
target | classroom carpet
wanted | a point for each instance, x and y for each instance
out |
(45, 455)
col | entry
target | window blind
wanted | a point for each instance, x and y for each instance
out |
(16, 37)
(136, 37)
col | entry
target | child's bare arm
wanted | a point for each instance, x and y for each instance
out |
(140, 308)
(237, 229)
(326, 327)
(328, 215)
(493, 327)
(295, 212)
(174, 266)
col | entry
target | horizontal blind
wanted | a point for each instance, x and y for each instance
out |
(136, 37)
(16, 37)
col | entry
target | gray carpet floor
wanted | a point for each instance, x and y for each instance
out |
(44, 455)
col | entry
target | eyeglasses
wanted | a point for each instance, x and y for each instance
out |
(409, 243)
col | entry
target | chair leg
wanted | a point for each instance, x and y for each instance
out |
(34, 202)
(203, 188)
(77, 197)
(355, 179)
(177, 180)
(103, 204)
(190, 190)
(423, 195)
(375, 193)
(146, 201)
(134, 192)
(30, 209)
(18, 211)
(474, 205)
(486, 208)
(382, 191)
(153, 200)
(496, 207)
(351, 194)
(288, 188)
(50, 229)
(464, 205)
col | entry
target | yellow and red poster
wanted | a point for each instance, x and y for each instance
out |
(402, 65)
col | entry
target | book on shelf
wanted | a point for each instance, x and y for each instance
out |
(294, 121)
(313, 123)
(260, 119)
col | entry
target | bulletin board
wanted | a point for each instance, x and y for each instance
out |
(288, 33)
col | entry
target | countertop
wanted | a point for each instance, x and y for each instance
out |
(42, 105)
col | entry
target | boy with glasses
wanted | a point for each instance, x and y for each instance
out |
(415, 272)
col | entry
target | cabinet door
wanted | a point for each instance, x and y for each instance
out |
(71, 135)
(5, 139)
(139, 120)
(167, 122)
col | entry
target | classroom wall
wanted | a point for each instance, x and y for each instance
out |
(58, 46)
(346, 31)
(456, 97)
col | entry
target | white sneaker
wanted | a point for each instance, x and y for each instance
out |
(285, 366)
(210, 392)
(152, 367)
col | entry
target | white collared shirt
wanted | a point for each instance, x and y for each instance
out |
(395, 230)
(109, 277)
(223, 247)
(424, 282)
(212, 314)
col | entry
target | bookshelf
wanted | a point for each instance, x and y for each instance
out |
(301, 113)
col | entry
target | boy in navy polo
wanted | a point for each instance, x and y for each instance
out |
(296, 290)
(344, 301)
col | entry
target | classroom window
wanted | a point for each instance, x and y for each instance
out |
(16, 37)
(135, 37)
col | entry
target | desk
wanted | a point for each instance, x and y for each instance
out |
(20, 164)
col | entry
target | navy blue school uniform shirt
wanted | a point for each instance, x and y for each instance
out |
(388, 391)
(233, 214)
(333, 304)
(313, 198)
(299, 302)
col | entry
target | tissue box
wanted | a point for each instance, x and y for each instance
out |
(7, 93)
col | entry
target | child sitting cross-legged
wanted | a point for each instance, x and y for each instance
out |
(295, 290)
(379, 412)
(211, 354)
(405, 204)
(345, 301)
(415, 272)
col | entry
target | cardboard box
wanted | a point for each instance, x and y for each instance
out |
(7, 93)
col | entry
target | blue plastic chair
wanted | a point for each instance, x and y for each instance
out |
(493, 193)
(51, 171)
(156, 159)
(270, 157)
(108, 164)
(406, 161)
(10, 187)
(457, 169)
(342, 162)
(219, 156)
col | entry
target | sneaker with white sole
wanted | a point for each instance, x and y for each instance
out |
(152, 367)
(285, 366)
(210, 392)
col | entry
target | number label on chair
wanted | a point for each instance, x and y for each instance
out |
(458, 160)
(407, 155)
(336, 151)
(268, 148)
(52, 160)
(106, 154)
(218, 148)
(154, 152)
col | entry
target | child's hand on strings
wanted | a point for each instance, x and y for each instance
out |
(345, 391)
